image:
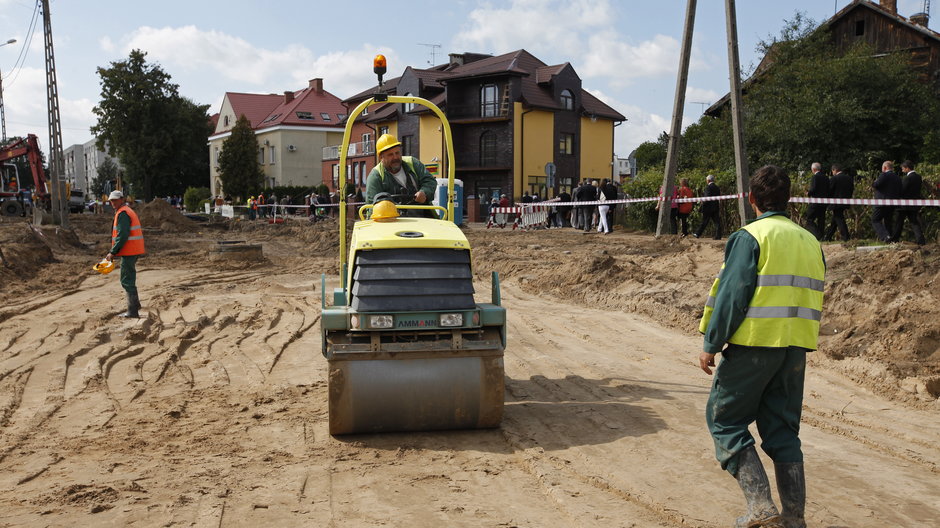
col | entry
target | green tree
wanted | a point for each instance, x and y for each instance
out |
(159, 136)
(239, 170)
(193, 196)
(652, 154)
(107, 173)
(857, 108)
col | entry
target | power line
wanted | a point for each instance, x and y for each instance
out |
(18, 66)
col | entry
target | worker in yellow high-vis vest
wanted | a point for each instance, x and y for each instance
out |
(762, 315)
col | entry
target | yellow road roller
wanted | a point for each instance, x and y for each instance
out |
(408, 347)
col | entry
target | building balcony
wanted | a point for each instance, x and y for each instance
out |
(477, 113)
(362, 148)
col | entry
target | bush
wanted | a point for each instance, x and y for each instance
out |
(193, 197)
(643, 216)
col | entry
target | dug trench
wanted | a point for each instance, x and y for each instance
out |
(211, 409)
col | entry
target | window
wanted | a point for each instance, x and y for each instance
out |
(383, 130)
(366, 138)
(272, 118)
(340, 116)
(859, 28)
(365, 111)
(324, 116)
(409, 106)
(305, 115)
(261, 156)
(566, 144)
(225, 121)
(488, 100)
(407, 145)
(567, 100)
(216, 156)
(487, 149)
(271, 152)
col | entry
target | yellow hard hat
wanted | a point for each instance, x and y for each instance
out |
(104, 267)
(386, 142)
(385, 211)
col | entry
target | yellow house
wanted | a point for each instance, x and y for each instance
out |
(519, 126)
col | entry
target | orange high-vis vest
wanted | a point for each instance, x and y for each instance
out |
(135, 242)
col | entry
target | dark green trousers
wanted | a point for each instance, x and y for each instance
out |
(129, 274)
(757, 384)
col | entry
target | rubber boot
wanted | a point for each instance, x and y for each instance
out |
(791, 485)
(761, 511)
(133, 304)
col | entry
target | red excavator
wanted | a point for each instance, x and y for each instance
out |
(13, 196)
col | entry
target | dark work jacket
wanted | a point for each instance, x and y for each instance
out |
(841, 186)
(564, 197)
(711, 206)
(887, 186)
(819, 186)
(586, 193)
(610, 191)
(911, 186)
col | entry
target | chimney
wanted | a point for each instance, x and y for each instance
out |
(288, 96)
(456, 58)
(890, 6)
(921, 19)
(316, 85)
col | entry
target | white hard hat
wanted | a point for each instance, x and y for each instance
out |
(115, 195)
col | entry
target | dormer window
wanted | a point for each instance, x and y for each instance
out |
(567, 100)
(488, 100)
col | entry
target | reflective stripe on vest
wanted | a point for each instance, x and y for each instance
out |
(135, 240)
(785, 309)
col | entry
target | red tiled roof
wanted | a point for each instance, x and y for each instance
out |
(268, 110)
(256, 107)
(307, 109)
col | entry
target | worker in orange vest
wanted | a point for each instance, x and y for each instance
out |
(127, 239)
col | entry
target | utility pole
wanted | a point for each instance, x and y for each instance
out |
(737, 118)
(675, 133)
(60, 214)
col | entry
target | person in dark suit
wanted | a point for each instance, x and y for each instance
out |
(840, 186)
(911, 187)
(711, 209)
(887, 187)
(816, 212)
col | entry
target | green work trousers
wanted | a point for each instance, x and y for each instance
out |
(757, 384)
(129, 273)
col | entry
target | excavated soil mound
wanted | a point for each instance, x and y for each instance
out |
(158, 214)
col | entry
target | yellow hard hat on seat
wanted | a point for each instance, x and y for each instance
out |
(385, 211)
(386, 142)
(104, 267)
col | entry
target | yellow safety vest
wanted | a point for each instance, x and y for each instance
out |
(787, 302)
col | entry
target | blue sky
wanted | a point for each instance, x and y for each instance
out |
(626, 51)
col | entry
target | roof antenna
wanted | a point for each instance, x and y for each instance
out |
(433, 51)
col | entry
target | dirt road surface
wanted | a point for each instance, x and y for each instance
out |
(211, 409)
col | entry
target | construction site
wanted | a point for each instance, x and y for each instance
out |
(212, 408)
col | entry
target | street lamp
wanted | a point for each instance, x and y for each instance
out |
(3, 116)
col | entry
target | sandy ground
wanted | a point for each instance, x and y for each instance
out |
(211, 409)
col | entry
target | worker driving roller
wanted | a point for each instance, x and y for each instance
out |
(403, 177)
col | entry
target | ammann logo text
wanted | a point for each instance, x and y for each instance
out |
(416, 324)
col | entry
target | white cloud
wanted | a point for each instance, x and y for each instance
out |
(550, 25)
(106, 44)
(623, 62)
(200, 52)
(693, 94)
(26, 113)
(640, 125)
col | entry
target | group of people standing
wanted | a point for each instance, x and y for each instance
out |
(679, 212)
(887, 186)
(599, 217)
